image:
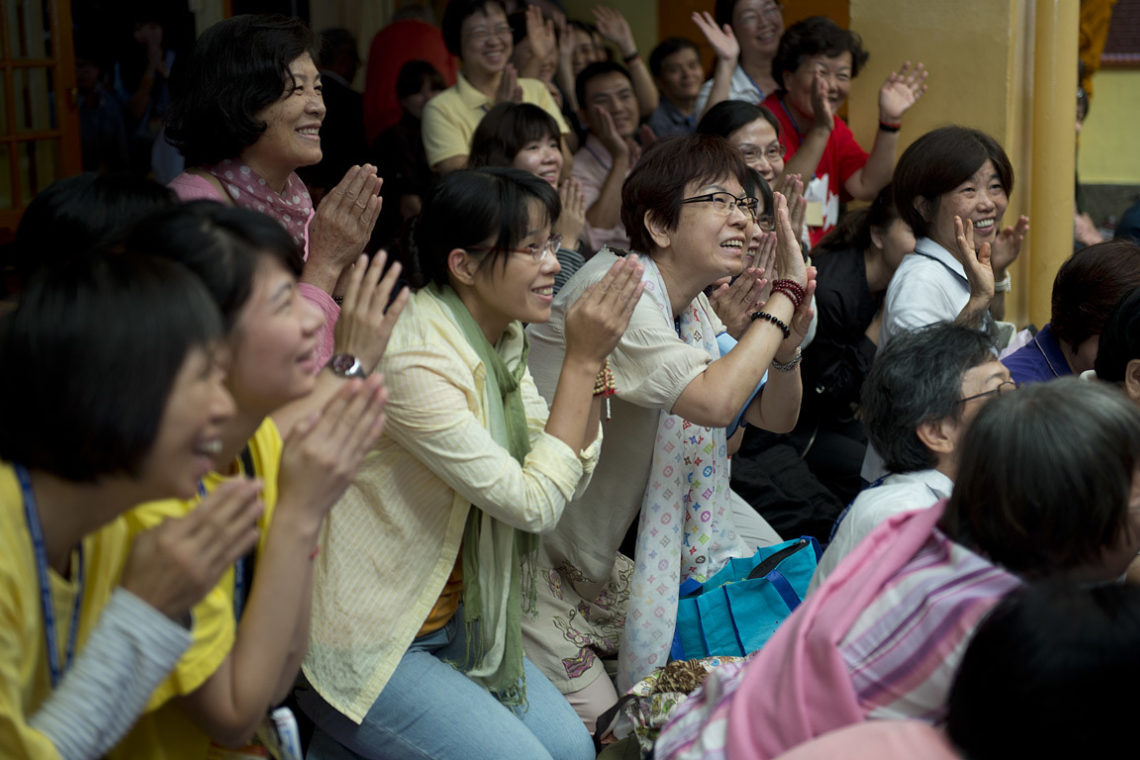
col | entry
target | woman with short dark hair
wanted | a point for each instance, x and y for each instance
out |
(686, 207)
(814, 67)
(246, 115)
(952, 187)
(526, 137)
(429, 560)
(110, 395)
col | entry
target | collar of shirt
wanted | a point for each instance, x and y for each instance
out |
(933, 250)
(940, 486)
(469, 96)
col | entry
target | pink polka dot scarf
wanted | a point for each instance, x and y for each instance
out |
(293, 207)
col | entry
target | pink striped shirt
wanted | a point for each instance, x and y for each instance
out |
(881, 638)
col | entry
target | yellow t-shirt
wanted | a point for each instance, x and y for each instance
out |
(164, 732)
(25, 680)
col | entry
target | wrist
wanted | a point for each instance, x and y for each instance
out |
(320, 275)
(890, 126)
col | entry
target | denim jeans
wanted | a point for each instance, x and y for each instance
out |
(428, 709)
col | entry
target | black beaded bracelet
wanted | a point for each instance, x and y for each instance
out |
(774, 320)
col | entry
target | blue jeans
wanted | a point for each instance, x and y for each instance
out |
(428, 709)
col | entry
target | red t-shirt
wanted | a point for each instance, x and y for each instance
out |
(842, 157)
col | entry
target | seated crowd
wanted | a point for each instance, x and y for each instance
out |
(434, 459)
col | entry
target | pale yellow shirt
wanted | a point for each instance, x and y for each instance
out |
(451, 117)
(390, 543)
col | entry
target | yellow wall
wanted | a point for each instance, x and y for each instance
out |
(983, 74)
(1110, 149)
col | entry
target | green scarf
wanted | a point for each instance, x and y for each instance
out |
(495, 555)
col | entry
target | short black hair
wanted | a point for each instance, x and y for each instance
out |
(414, 74)
(1089, 285)
(758, 188)
(728, 116)
(1048, 673)
(505, 130)
(77, 214)
(476, 207)
(817, 35)
(1120, 340)
(221, 245)
(90, 356)
(657, 183)
(455, 14)
(917, 378)
(667, 48)
(938, 162)
(1036, 509)
(238, 67)
(592, 71)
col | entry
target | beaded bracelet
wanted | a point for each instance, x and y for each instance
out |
(792, 289)
(789, 365)
(604, 385)
(774, 320)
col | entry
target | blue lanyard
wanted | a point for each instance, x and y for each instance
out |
(752, 81)
(243, 568)
(792, 119)
(34, 527)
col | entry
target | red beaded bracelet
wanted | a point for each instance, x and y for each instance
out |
(792, 289)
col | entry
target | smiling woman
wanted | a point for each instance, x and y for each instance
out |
(686, 208)
(416, 647)
(952, 187)
(247, 113)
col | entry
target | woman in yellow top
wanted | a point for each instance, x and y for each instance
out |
(110, 395)
(427, 560)
(251, 631)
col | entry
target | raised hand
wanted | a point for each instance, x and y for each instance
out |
(792, 187)
(734, 302)
(900, 91)
(764, 260)
(540, 32)
(597, 320)
(510, 91)
(342, 225)
(1007, 246)
(173, 565)
(321, 453)
(366, 318)
(976, 263)
(573, 217)
(789, 255)
(613, 27)
(613, 141)
(646, 136)
(822, 115)
(721, 38)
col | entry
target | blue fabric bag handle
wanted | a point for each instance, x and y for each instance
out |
(737, 610)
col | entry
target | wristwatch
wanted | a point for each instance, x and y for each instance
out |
(346, 365)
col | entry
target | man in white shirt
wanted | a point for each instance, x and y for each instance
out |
(921, 393)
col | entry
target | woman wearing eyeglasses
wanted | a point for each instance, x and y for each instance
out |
(429, 559)
(674, 394)
(745, 35)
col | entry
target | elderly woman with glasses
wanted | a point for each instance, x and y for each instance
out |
(670, 396)
(430, 558)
